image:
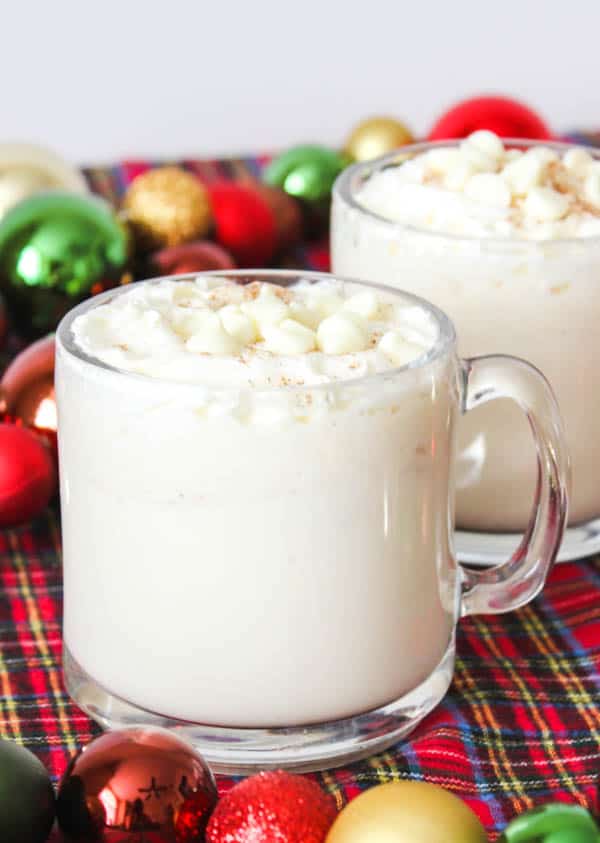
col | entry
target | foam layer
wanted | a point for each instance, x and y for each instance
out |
(481, 189)
(219, 333)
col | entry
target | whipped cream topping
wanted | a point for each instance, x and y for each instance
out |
(481, 189)
(222, 334)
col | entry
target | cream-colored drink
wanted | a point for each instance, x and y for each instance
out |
(507, 242)
(255, 504)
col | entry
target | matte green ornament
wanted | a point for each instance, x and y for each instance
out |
(56, 249)
(26, 796)
(306, 172)
(554, 823)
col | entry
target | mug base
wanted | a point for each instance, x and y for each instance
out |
(479, 548)
(233, 751)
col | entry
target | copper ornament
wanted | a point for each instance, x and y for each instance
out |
(137, 785)
(27, 389)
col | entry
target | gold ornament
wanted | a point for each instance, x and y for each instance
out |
(406, 812)
(166, 207)
(376, 136)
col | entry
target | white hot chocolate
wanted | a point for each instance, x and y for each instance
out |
(506, 241)
(255, 504)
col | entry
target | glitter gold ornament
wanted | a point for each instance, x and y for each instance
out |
(166, 207)
(376, 136)
(137, 784)
(407, 812)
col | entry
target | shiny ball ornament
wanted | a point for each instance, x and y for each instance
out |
(244, 223)
(167, 206)
(27, 390)
(287, 214)
(375, 137)
(26, 169)
(272, 807)
(407, 812)
(306, 172)
(507, 117)
(136, 784)
(56, 249)
(553, 823)
(202, 256)
(3, 322)
(27, 476)
(26, 796)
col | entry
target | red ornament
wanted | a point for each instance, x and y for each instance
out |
(27, 390)
(244, 223)
(27, 475)
(287, 213)
(202, 256)
(272, 806)
(502, 115)
(136, 784)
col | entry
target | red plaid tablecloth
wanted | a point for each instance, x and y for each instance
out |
(520, 725)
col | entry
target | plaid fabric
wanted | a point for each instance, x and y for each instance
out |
(520, 725)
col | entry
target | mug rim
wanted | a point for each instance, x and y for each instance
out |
(345, 190)
(445, 342)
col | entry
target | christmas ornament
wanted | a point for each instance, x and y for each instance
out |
(407, 812)
(167, 206)
(202, 256)
(555, 823)
(27, 390)
(27, 475)
(286, 213)
(133, 784)
(272, 806)
(244, 223)
(26, 796)
(376, 136)
(3, 322)
(306, 172)
(26, 169)
(55, 249)
(506, 117)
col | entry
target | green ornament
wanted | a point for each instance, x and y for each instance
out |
(56, 249)
(555, 823)
(306, 172)
(26, 796)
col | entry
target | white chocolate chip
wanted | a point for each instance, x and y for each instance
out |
(483, 149)
(577, 160)
(212, 338)
(524, 173)
(365, 304)
(458, 176)
(397, 349)
(238, 324)
(267, 309)
(545, 205)
(289, 337)
(591, 185)
(442, 160)
(488, 188)
(341, 333)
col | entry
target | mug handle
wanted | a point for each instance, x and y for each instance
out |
(514, 583)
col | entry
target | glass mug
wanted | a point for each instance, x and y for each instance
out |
(534, 299)
(271, 571)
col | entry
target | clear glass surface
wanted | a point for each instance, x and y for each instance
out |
(271, 571)
(533, 299)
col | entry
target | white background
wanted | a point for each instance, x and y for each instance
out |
(100, 80)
